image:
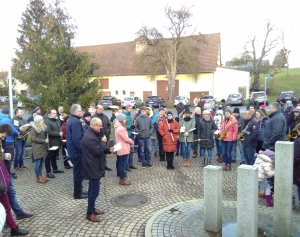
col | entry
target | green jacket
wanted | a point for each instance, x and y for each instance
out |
(39, 145)
(128, 123)
(188, 126)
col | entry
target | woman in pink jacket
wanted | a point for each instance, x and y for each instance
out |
(121, 136)
(228, 136)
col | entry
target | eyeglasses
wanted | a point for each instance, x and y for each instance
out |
(99, 125)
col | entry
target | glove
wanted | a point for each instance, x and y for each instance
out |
(7, 156)
(171, 130)
(186, 134)
(132, 126)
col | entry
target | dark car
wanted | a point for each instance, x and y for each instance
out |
(287, 95)
(110, 100)
(155, 101)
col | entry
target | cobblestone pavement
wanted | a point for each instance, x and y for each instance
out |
(56, 213)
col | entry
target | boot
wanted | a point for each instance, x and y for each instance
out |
(39, 180)
(208, 161)
(202, 161)
(221, 159)
(226, 167)
(262, 194)
(194, 155)
(172, 165)
(184, 163)
(269, 202)
(41, 177)
(124, 182)
(162, 156)
(17, 231)
(168, 165)
(188, 164)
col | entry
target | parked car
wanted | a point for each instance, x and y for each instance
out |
(209, 98)
(287, 95)
(185, 100)
(110, 100)
(261, 96)
(133, 101)
(235, 99)
(155, 101)
(5, 99)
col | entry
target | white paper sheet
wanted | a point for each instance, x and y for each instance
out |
(16, 123)
(217, 131)
(182, 129)
(192, 129)
(117, 146)
(64, 140)
(53, 148)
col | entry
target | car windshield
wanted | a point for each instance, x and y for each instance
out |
(288, 94)
(258, 94)
(152, 97)
(234, 95)
(179, 98)
(128, 99)
(107, 98)
(207, 97)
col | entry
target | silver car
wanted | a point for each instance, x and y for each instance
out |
(133, 101)
(185, 100)
(260, 95)
(235, 99)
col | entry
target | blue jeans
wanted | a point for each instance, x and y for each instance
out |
(219, 146)
(299, 192)
(145, 150)
(186, 149)
(38, 166)
(249, 152)
(156, 144)
(122, 165)
(77, 173)
(11, 192)
(20, 148)
(93, 192)
(51, 157)
(266, 186)
(178, 147)
(209, 152)
(227, 149)
(130, 156)
(233, 153)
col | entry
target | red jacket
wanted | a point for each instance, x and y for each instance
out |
(232, 131)
(169, 139)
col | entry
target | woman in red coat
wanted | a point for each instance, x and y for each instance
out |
(169, 130)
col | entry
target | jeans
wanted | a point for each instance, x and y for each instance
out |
(130, 156)
(233, 153)
(266, 186)
(249, 152)
(77, 173)
(93, 192)
(209, 152)
(121, 166)
(11, 192)
(178, 147)
(20, 148)
(38, 166)
(145, 150)
(227, 149)
(51, 157)
(186, 149)
(156, 144)
(218, 146)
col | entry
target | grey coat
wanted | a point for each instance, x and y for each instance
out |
(39, 145)
(144, 127)
(205, 131)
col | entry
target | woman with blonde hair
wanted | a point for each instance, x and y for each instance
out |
(39, 146)
(159, 120)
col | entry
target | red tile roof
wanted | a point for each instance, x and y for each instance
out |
(117, 59)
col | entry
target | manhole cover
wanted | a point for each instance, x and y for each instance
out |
(130, 200)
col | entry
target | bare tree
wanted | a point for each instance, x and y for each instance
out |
(286, 54)
(179, 53)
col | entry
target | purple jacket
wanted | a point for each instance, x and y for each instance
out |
(4, 175)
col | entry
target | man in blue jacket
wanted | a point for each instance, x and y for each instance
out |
(75, 132)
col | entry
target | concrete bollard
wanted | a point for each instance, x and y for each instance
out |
(247, 201)
(283, 189)
(213, 198)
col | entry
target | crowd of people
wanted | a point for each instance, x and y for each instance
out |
(82, 139)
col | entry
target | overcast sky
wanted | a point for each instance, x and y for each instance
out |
(104, 22)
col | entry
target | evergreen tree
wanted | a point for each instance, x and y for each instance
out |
(48, 63)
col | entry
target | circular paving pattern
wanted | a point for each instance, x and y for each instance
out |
(130, 200)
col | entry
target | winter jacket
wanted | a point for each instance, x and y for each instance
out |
(206, 130)
(169, 140)
(93, 151)
(265, 167)
(64, 132)
(197, 119)
(201, 105)
(292, 121)
(296, 175)
(106, 127)
(4, 119)
(275, 130)
(254, 104)
(121, 136)
(232, 131)
(188, 125)
(75, 132)
(4, 174)
(262, 124)
(251, 132)
(54, 129)
(129, 122)
(39, 145)
(19, 122)
(240, 121)
(144, 127)
(179, 108)
(158, 122)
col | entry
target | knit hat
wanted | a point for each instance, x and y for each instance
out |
(121, 117)
(206, 112)
(228, 110)
(128, 105)
(187, 110)
(37, 118)
(35, 109)
(289, 103)
(270, 154)
(86, 114)
(169, 112)
(236, 110)
(5, 111)
(223, 101)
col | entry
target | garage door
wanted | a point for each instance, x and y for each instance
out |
(162, 89)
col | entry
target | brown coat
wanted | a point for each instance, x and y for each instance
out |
(39, 145)
(169, 144)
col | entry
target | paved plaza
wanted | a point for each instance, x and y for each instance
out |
(56, 213)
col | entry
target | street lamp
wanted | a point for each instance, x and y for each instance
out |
(266, 78)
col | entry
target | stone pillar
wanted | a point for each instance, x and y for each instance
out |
(247, 201)
(213, 198)
(283, 189)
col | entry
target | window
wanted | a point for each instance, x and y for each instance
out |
(116, 92)
(124, 92)
(104, 83)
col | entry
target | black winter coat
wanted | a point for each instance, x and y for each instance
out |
(275, 130)
(296, 175)
(54, 128)
(252, 127)
(179, 108)
(93, 151)
(206, 130)
(106, 126)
